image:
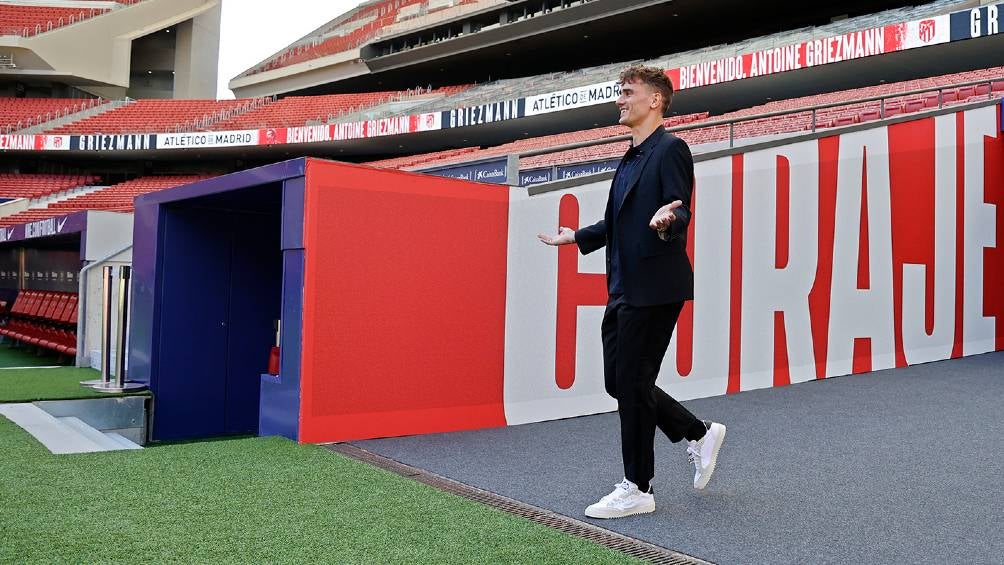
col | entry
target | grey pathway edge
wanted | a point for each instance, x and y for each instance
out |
(896, 466)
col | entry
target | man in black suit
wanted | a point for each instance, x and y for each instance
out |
(649, 277)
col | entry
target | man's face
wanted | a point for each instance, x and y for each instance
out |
(636, 102)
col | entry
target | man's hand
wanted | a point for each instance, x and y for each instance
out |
(565, 236)
(665, 216)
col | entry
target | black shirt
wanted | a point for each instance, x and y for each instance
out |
(618, 190)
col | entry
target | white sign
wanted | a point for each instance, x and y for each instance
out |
(207, 139)
(581, 97)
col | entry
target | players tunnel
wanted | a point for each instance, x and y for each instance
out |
(391, 323)
(209, 265)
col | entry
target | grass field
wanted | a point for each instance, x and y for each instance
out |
(11, 356)
(25, 385)
(248, 500)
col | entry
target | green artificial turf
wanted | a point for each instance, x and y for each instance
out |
(11, 356)
(59, 383)
(248, 500)
(26, 385)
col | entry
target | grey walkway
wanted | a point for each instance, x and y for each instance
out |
(899, 466)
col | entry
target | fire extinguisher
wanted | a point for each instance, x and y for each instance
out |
(273, 354)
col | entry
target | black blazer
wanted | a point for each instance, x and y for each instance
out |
(653, 271)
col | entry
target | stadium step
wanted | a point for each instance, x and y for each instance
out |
(106, 441)
(63, 435)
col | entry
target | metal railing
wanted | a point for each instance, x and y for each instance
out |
(49, 25)
(206, 121)
(53, 115)
(813, 110)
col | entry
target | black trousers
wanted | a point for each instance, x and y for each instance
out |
(635, 340)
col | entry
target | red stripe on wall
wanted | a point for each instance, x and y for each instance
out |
(819, 297)
(960, 216)
(782, 244)
(685, 323)
(993, 266)
(862, 355)
(783, 212)
(735, 290)
(863, 345)
(911, 179)
(574, 289)
(782, 376)
(864, 278)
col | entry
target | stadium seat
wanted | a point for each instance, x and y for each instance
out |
(28, 20)
(44, 319)
(913, 106)
(118, 197)
(20, 185)
(868, 115)
(157, 116)
(966, 92)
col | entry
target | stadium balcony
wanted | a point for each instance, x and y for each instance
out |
(20, 113)
(366, 23)
(790, 37)
(116, 198)
(95, 49)
(160, 116)
(27, 19)
(793, 116)
(17, 185)
(522, 87)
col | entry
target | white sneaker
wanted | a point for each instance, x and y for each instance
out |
(704, 453)
(625, 500)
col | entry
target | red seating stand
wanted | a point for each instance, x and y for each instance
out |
(45, 319)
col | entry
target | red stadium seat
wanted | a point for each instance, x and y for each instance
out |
(913, 106)
(43, 319)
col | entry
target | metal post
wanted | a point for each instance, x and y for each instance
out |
(731, 134)
(124, 275)
(106, 329)
(813, 119)
(121, 385)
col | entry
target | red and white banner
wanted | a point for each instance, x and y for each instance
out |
(846, 47)
(52, 142)
(364, 129)
(864, 251)
(32, 142)
(17, 142)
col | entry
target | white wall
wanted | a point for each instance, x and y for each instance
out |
(829, 300)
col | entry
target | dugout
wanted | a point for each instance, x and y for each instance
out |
(391, 324)
(47, 265)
